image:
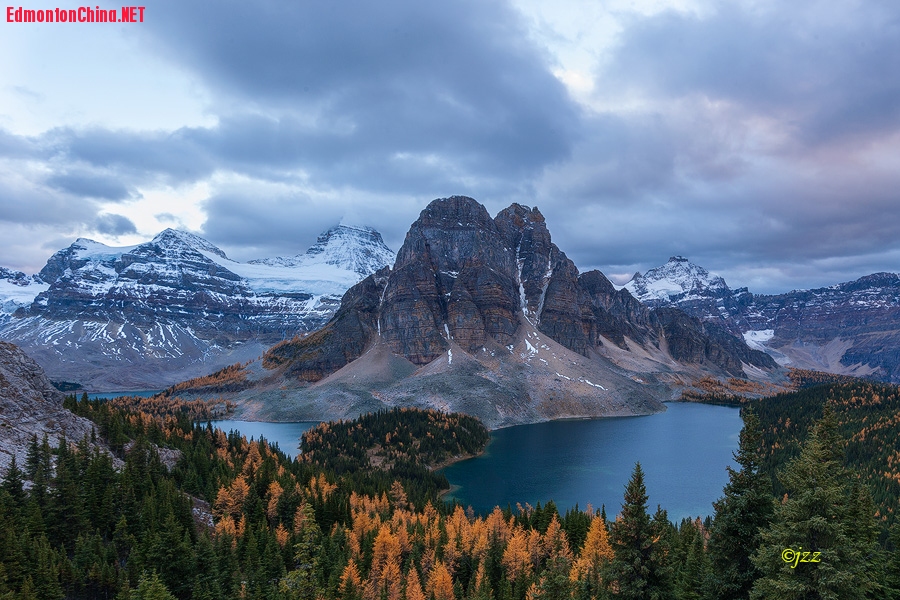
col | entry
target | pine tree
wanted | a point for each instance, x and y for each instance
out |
(151, 588)
(301, 583)
(638, 570)
(744, 510)
(13, 482)
(822, 515)
(695, 567)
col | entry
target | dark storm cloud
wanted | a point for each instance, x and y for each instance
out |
(114, 225)
(760, 142)
(104, 187)
(826, 70)
(353, 89)
(135, 157)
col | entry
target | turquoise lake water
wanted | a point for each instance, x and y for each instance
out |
(286, 435)
(683, 453)
(108, 395)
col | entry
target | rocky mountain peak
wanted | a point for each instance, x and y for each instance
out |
(177, 239)
(145, 316)
(356, 248)
(465, 280)
(678, 279)
(352, 248)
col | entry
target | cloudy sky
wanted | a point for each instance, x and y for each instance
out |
(760, 139)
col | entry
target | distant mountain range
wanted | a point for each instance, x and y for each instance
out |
(146, 316)
(850, 328)
(487, 316)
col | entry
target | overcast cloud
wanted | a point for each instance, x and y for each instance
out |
(759, 139)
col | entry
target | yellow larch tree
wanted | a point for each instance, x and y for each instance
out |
(413, 587)
(351, 582)
(595, 553)
(440, 583)
(516, 557)
(385, 580)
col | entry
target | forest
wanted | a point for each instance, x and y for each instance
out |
(178, 509)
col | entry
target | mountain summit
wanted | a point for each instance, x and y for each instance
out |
(677, 280)
(488, 316)
(357, 249)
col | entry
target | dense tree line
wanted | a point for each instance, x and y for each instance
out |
(234, 518)
(867, 417)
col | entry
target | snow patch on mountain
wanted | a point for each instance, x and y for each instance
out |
(18, 290)
(757, 339)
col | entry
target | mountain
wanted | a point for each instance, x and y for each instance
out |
(489, 317)
(146, 316)
(17, 290)
(850, 328)
(30, 405)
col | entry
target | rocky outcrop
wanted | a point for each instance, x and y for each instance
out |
(30, 405)
(464, 279)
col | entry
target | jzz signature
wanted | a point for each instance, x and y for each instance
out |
(796, 556)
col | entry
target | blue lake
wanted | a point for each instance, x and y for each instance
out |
(683, 453)
(108, 395)
(286, 435)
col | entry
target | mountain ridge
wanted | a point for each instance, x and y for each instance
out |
(488, 316)
(174, 307)
(850, 328)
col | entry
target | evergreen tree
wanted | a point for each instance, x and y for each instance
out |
(151, 588)
(741, 514)
(825, 515)
(301, 584)
(694, 568)
(638, 570)
(13, 484)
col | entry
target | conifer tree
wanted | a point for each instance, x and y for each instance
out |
(595, 555)
(301, 583)
(740, 515)
(820, 520)
(151, 587)
(638, 571)
(695, 567)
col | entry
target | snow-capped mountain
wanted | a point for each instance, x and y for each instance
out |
(147, 315)
(357, 251)
(677, 280)
(17, 290)
(849, 328)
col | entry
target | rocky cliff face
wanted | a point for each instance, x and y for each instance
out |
(464, 280)
(850, 328)
(30, 405)
(149, 315)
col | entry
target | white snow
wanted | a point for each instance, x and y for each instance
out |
(757, 339)
(14, 296)
(596, 385)
(678, 277)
